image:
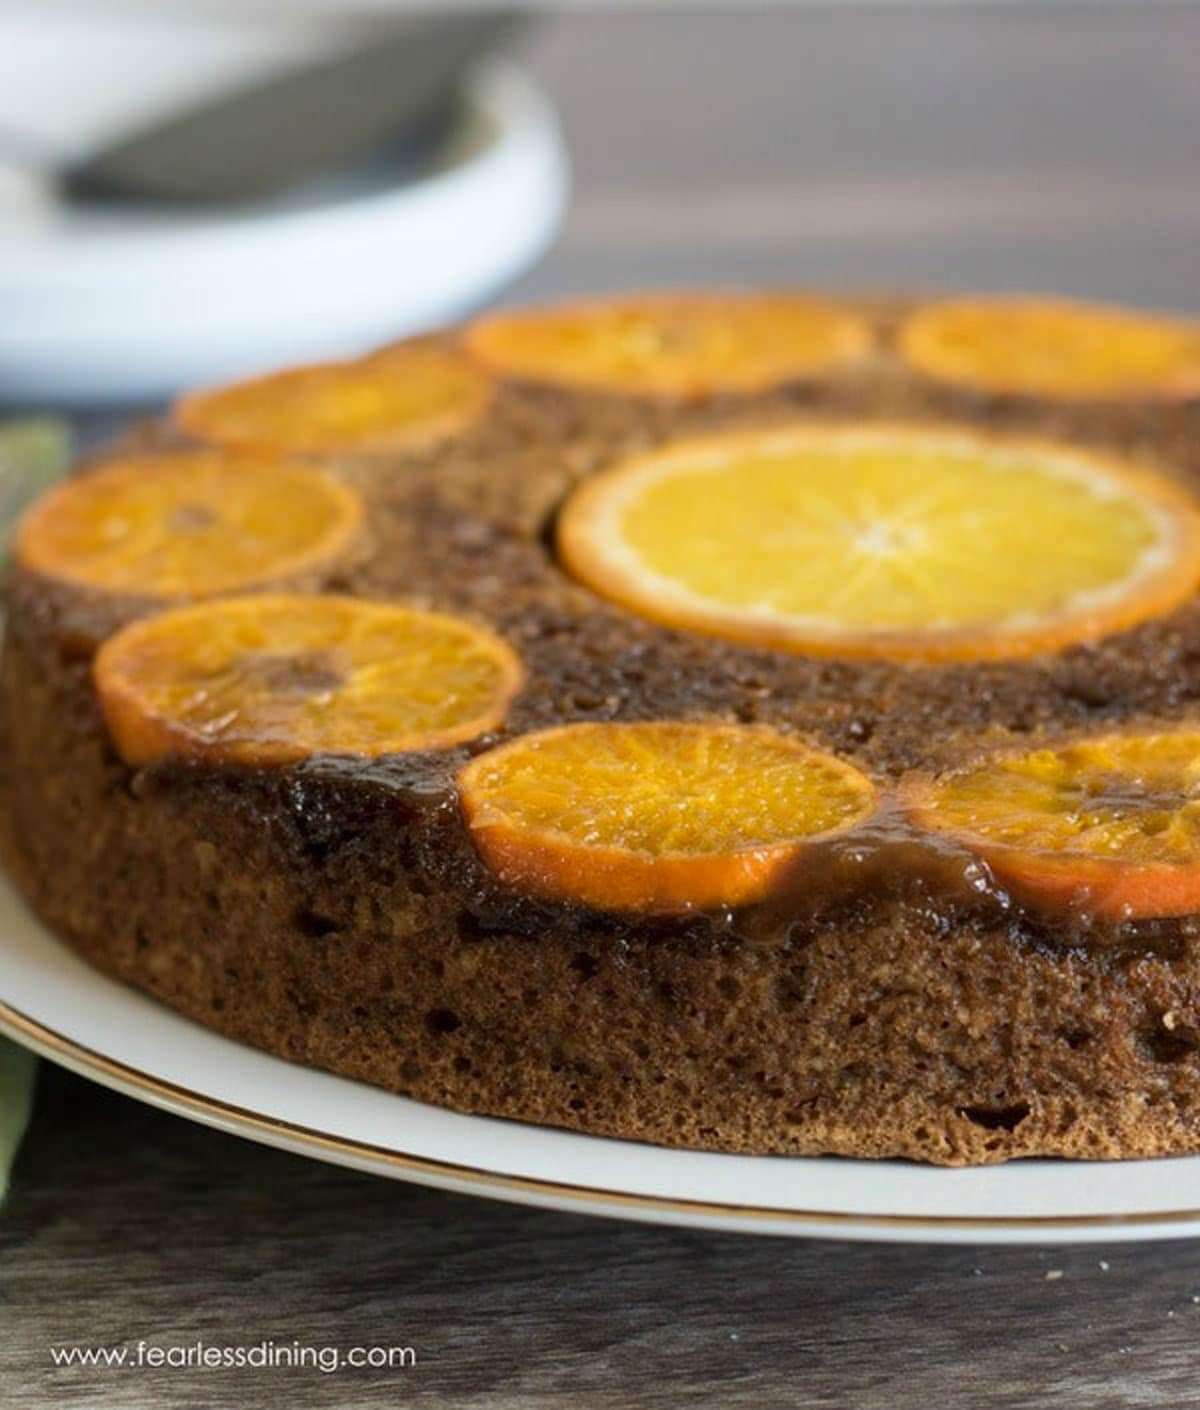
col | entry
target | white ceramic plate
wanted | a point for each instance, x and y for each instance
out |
(54, 1003)
(129, 303)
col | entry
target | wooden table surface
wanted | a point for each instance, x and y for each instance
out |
(1003, 146)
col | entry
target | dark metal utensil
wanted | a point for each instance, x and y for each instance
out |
(398, 87)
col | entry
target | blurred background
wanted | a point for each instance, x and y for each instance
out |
(1050, 145)
(192, 191)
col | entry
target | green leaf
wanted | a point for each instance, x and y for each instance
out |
(33, 454)
(16, 1091)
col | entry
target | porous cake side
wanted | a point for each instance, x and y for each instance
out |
(335, 912)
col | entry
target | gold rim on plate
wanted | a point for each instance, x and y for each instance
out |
(516, 1188)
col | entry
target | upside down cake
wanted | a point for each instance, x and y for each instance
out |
(752, 722)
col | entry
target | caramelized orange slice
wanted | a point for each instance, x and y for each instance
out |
(1053, 348)
(655, 816)
(676, 345)
(271, 678)
(406, 397)
(188, 524)
(906, 542)
(1109, 825)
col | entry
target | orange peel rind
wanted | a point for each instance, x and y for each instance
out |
(680, 345)
(1055, 348)
(275, 678)
(403, 398)
(902, 542)
(655, 815)
(1108, 825)
(188, 524)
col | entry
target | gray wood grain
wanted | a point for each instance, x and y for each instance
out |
(1047, 146)
(128, 1224)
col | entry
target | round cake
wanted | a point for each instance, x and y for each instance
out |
(758, 722)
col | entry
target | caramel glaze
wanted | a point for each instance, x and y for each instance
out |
(467, 527)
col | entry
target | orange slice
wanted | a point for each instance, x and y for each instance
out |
(1053, 348)
(271, 678)
(675, 345)
(1109, 825)
(188, 524)
(907, 542)
(655, 816)
(406, 397)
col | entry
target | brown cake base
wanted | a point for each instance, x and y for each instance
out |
(303, 913)
(335, 913)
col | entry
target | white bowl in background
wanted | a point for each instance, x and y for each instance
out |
(79, 74)
(130, 303)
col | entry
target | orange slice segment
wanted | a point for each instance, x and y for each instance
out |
(676, 345)
(273, 678)
(655, 816)
(188, 524)
(406, 397)
(1109, 825)
(1053, 348)
(906, 542)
